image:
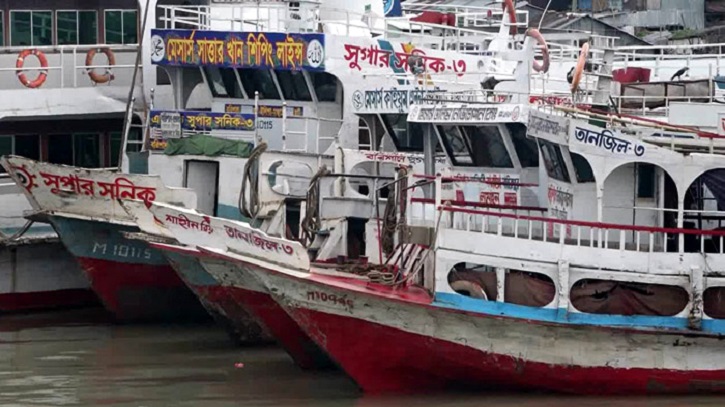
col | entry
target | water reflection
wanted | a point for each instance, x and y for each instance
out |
(83, 360)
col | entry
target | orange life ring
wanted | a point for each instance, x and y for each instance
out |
(544, 65)
(95, 77)
(508, 5)
(579, 67)
(20, 62)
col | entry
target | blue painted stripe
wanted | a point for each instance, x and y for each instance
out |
(232, 213)
(560, 315)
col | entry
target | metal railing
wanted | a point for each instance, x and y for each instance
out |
(62, 58)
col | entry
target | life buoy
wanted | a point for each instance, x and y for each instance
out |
(508, 6)
(473, 289)
(43, 64)
(95, 77)
(579, 69)
(542, 66)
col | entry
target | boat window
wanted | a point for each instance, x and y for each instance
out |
(406, 136)
(259, 80)
(456, 145)
(627, 298)
(554, 161)
(223, 82)
(520, 287)
(363, 135)
(69, 25)
(31, 28)
(525, 146)
(713, 300)
(645, 180)
(2, 29)
(582, 168)
(120, 26)
(60, 149)
(86, 150)
(27, 146)
(487, 147)
(6, 148)
(473, 280)
(294, 85)
(325, 85)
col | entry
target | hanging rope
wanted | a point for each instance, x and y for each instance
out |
(396, 198)
(250, 176)
(311, 222)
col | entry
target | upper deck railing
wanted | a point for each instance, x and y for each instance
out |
(66, 66)
(310, 17)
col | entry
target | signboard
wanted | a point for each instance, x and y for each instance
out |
(266, 111)
(170, 124)
(177, 122)
(396, 100)
(494, 113)
(548, 127)
(238, 49)
(392, 8)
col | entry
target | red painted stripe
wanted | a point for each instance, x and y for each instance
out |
(42, 300)
(482, 205)
(383, 359)
(141, 291)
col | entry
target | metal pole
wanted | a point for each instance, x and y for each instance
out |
(129, 101)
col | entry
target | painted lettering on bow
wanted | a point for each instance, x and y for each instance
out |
(185, 223)
(319, 296)
(120, 188)
(605, 139)
(256, 240)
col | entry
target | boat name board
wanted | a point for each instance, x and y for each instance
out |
(303, 51)
(603, 138)
(120, 188)
(374, 56)
(398, 100)
(464, 114)
(548, 127)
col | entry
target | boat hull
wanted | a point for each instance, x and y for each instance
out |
(41, 275)
(216, 299)
(248, 292)
(133, 281)
(407, 344)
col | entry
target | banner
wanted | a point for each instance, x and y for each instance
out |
(238, 49)
(205, 121)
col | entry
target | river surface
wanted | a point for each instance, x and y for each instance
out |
(79, 358)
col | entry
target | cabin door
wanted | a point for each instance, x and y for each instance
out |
(203, 178)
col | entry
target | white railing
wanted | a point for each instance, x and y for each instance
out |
(63, 59)
(307, 18)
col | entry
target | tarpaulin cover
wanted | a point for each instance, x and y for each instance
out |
(620, 298)
(209, 146)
